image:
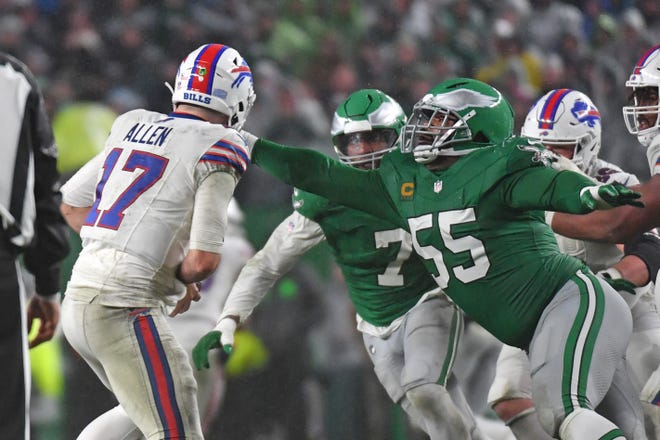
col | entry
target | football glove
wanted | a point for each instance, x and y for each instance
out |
(221, 336)
(614, 279)
(609, 196)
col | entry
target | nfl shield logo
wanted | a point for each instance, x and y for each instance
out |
(437, 186)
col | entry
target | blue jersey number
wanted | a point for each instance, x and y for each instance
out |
(153, 167)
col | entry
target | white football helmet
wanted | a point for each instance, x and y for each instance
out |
(642, 115)
(566, 117)
(216, 76)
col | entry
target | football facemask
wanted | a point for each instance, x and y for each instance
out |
(641, 115)
(455, 118)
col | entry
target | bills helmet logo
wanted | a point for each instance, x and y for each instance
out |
(585, 113)
(243, 72)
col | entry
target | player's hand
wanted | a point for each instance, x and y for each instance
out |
(609, 196)
(221, 336)
(192, 294)
(48, 313)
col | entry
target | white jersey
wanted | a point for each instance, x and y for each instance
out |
(653, 155)
(143, 186)
(598, 256)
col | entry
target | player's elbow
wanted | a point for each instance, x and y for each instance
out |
(203, 263)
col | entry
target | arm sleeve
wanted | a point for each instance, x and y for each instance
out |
(319, 174)
(209, 220)
(647, 248)
(291, 239)
(51, 245)
(547, 189)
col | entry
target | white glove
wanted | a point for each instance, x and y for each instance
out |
(227, 328)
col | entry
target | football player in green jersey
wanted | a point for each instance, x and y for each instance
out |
(472, 196)
(568, 123)
(410, 329)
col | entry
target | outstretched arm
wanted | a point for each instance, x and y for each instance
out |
(563, 191)
(292, 238)
(617, 225)
(319, 174)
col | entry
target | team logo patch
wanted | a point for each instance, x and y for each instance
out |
(407, 190)
(542, 156)
(585, 113)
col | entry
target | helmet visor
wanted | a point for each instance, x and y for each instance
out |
(365, 147)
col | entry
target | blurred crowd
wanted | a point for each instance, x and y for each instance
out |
(308, 55)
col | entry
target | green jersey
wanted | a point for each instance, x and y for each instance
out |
(478, 225)
(385, 278)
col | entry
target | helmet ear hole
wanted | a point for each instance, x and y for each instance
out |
(481, 138)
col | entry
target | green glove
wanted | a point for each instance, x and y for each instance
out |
(609, 196)
(200, 353)
(221, 336)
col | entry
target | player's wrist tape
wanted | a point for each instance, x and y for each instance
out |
(611, 273)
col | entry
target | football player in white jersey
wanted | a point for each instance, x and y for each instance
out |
(188, 328)
(568, 123)
(641, 116)
(151, 210)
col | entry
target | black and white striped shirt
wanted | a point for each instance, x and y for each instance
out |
(29, 187)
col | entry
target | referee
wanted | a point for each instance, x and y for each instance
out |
(31, 226)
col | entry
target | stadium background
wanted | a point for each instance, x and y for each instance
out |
(95, 59)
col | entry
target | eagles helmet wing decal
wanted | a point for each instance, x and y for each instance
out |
(461, 99)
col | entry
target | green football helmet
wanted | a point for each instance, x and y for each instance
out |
(366, 116)
(455, 118)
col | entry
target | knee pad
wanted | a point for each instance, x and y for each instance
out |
(584, 424)
(512, 377)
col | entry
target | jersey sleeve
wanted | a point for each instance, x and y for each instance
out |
(319, 174)
(292, 238)
(209, 220)
(653, 156)
(229, 154)
(43, 258)
(545, 189)
(79, 190)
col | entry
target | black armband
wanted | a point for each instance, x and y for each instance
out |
(647, 248)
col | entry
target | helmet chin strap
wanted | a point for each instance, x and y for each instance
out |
(424, 154)
(169, 87)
